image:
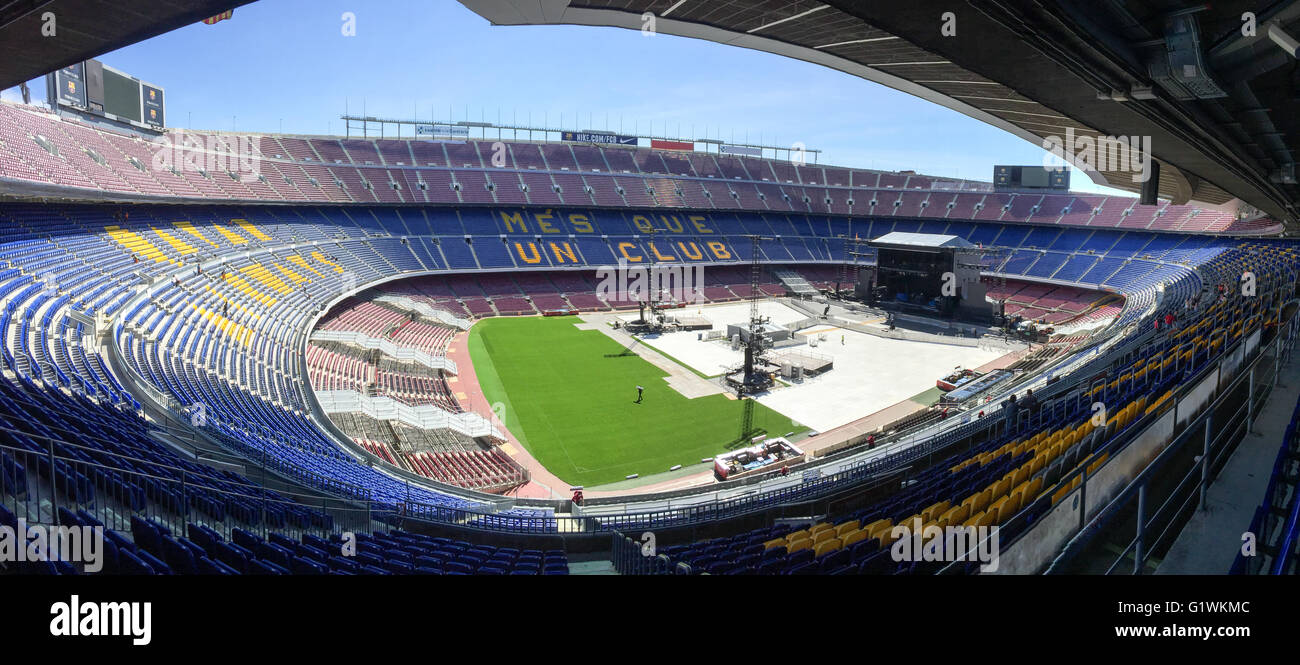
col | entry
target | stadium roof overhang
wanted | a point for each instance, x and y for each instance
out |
(925, 240)
(84, 29)
(1034, 69)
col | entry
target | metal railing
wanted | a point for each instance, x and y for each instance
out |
(36, 485)
(1257, 380)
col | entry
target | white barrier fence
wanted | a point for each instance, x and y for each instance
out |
(388, 347)
(423, 309)
(426, 416)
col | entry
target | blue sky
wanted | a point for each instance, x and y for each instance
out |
(286, 64)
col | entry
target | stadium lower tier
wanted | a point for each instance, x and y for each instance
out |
(152, 549)
(207, 313)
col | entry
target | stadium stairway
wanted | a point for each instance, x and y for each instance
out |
(795, 282)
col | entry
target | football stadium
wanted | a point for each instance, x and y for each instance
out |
(434, 345)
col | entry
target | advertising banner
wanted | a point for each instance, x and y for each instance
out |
(672, 145)
(71, 82)
(740, 150)
(153, 104)
(592, 137)
(442, 131)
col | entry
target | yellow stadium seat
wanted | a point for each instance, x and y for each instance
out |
(852, 537)
(823, 536)
(884, 534)
(1012, 506)
(997, 509)
(871, 528)
(933, 511)
(1061, 494)
(775, 542)
(1021, 496)
(845, 528)
(1096, 464)
(818, 528)
(798, 545)
(827, 546)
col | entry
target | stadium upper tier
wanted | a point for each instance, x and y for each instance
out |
(88, 162)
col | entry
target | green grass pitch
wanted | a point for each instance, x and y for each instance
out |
(570, 399)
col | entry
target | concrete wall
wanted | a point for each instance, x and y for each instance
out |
(1197, 398)
(1033, 552)
(1125, 465)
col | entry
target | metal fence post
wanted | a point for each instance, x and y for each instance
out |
(1083, 497)
(185, 502)
(1140, 552)
(1250, 401)
(1277, 359)
(263, 493)
(1205, 458)
(54, 486)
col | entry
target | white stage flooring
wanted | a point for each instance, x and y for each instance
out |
(870, 374)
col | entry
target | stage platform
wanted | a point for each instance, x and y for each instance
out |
(812, 364)
(692, 322)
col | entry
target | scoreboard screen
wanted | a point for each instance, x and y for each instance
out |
(121, 96)
(1030, 177)
(91, 87)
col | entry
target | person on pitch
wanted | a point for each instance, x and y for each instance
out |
(639, 390)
